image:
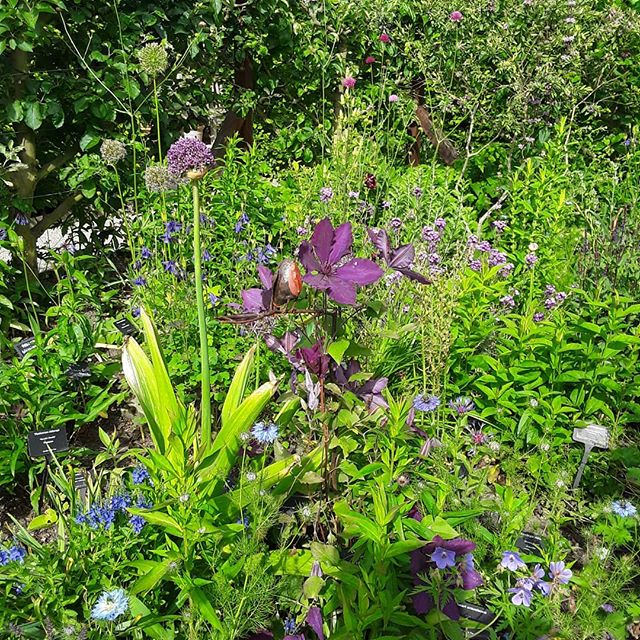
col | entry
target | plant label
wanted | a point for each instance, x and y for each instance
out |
(530, 543)
(593, 435)
(476, 613)
(78, 371)
(80, 483)
(46, 443)
(24, 346)
(125, 327)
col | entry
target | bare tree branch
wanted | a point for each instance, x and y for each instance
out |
(58, 214)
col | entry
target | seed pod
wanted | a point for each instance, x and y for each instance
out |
(287, 284)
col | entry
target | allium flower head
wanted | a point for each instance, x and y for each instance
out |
(384, 37)
(112, 151)
(158, 179)
(425, 402)
(393, 98)
(512, 561)
(455, 16)
(369, 60)
(153, 59)
(189, 158)
(110, 605)
(349, 82)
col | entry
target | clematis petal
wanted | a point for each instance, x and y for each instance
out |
(319, 281)
(314, 620)
(322, 239)
(308, 258)
(414, 275)
(342, 291)
(343, 239)
(402, 257)
(422, 603)
(359, 271)
(380, 240)
(266, 277)
(470, 579)
(254, 300)
(451, 609)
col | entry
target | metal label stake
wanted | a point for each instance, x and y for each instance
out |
(593, 435)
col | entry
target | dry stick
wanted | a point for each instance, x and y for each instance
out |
(497, 205)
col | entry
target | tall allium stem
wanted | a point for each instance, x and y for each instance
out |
(205, 407)
(163, 213)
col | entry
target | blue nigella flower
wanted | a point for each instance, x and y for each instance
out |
(265, 433)
(623, 508)
(110, 605)
(139, 475)
(425, 402)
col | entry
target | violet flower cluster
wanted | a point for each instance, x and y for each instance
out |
(528, 584)
(189, 158)
(14, 553)
(102, 515)
(483, 250)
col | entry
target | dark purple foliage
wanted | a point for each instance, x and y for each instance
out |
(322, 255)
(400, 259)
(369, 391)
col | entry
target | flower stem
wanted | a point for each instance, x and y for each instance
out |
(205, 407)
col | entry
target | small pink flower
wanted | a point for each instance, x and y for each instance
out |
(455, 16)
(384, 37)
(393, 98)
(349, 82)
(369, 60)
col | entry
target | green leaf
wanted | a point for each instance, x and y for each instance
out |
(336, 349)
(313, 586)
(44, 520)
(14, 112)
(151, 578)
(357, 523)
(89, 140)
(238, 386)
(200, 601)
(140, 612)
(33, 115)
(161, 519)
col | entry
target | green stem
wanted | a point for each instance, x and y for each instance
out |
(205, 408)
(163, 213)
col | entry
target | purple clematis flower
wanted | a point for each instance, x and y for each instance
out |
(315, 359)
(370, 391)
(322, 255)
(257, 300)
(399, 259)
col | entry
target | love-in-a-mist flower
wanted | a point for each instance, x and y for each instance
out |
(265, 433)
(512, 561)
(110, 605)
(424, 402)
(623, 508)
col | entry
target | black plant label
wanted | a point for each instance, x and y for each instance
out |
(125, 327)
(24, 346)
(46, 443)
(530, 543)
(476, 613)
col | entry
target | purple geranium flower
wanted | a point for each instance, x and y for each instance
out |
(512, 561)
(399, 259)
(322, 255)
(558, 572)
(443, 558)
(521, 596)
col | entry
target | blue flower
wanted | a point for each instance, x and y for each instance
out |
(172, 226)
(4, 558)
(170, 266)
(145, 253)
(120, 502)
(242, 222)
(3, 234)
(21, 219)
(206, 256)
(213, 299)
(139, 475)
(137, 523)
(167, 237)
(265, 433)
(424, 402)
(462, 405)
(17, 554)
(110, 605)
(443, 558)
(143, 503)
(140, 282)
(326, 193)
(243, 521)
(135, 312)
(290, 626)
(623, 508)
